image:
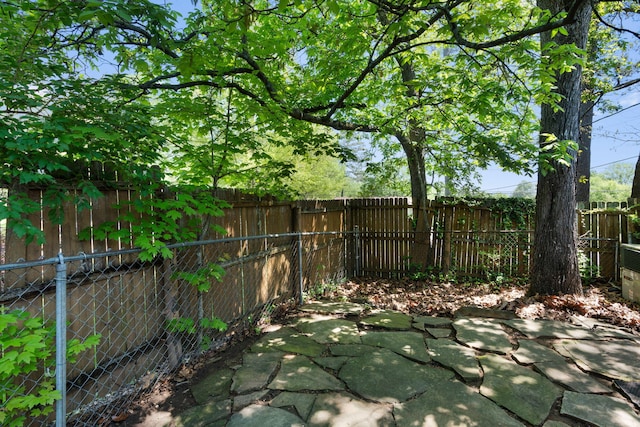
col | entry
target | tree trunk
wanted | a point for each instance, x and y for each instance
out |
(583, 181)
(412, 142)
(555, 256)
(421, 250)
(583, 173)
(635, 187)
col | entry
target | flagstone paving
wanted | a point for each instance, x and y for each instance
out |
(338, 365)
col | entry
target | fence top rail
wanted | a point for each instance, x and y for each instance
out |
(61, 259)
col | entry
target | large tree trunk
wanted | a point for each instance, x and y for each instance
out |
(583, 171)
(412, 141)
(635, 187)
(421, 254)
(555, 256)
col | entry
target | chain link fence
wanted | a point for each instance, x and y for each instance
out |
(147, 318)
(489, 254)
(142, 320)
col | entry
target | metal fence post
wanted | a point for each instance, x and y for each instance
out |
(300, 272)
(61, 340)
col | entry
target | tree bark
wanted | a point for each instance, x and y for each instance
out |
(583, 181)
(555, 268)
(635, 186)
(421, 254)
(412, 141)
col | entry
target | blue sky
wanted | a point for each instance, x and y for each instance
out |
(616, 138)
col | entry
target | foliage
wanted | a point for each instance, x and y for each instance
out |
(525, 189)
(277, 70)
(634, 219)
(516, 213)
(201, 278)
(158, 219)
(555, 153)
(619, 172)
(27, 345)
(607, 190)
(188, 326)
(588, 270)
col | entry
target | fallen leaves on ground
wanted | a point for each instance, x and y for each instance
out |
(603, 302)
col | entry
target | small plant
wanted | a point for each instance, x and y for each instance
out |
(26, 346)
(322, 289)
(188, 326)
(588, 270)
(634, 229)
(201, 278)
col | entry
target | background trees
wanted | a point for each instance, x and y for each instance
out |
(452, 86)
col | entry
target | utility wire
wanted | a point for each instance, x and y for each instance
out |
(531, 182)
(616, 112)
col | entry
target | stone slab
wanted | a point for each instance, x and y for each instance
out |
(288, 340)
(522, 391)
(482, 334)
(530, 352)
(343, 409)
(333, 307)
(431, 321)
(491, 313)
(302, 402)
(457, 357)
(439, 332)
(615, 359)
(333, 363)
(630, 389)
(207, 415)
(408, 344)
(262, 416)
(388, 320)
(570, 376)
(329, 331)
(604, 330)
(599, 410)
(452, 404)
(351, 349)
(256, 371)
(215, 386)
(299, 373)
(244, 400)
(385, 376)
(549, 328)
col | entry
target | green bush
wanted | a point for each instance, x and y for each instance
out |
(27, 345)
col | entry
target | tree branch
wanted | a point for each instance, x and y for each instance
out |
(510, 38)
(613, 27)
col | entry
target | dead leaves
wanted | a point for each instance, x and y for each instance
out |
(443, 299)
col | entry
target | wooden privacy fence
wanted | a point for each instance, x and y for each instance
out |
(460, 238)
(271, 247)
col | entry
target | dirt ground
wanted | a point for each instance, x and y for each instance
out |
(602, 301)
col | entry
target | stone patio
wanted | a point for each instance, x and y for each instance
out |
(337, 367)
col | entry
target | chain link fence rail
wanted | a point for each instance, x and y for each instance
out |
(152, 317)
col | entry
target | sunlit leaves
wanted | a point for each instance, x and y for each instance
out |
(27, 346)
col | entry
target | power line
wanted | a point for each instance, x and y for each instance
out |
(617, 112)
(531, 182)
